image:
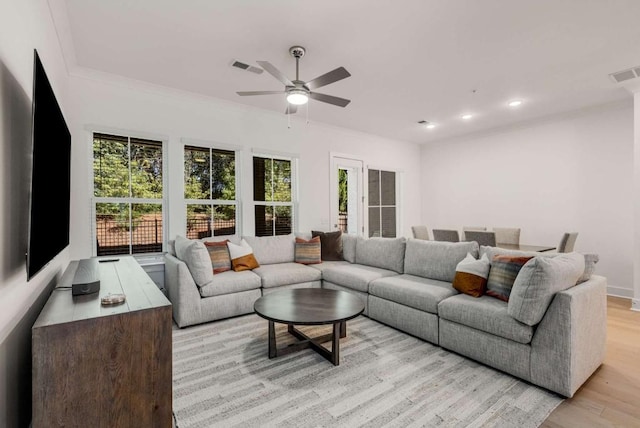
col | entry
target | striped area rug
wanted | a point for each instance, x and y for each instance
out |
(222, 377)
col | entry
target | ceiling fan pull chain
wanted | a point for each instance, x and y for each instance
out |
(308, 113)
(288, 116)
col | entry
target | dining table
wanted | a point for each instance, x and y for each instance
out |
(525, 247)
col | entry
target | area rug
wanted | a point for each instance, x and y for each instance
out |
(222, 377)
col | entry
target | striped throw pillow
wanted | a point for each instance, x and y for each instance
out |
(308, 252)
(219, 255)
(503, 273)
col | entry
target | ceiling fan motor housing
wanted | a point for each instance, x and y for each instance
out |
(297, 51)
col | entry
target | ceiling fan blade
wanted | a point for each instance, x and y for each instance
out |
(336, 101)
(275, 73)
(291, 109)
(327, 78)
(246, 93)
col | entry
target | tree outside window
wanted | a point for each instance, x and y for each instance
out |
(272, 194)
(128, 192)
(210, 192)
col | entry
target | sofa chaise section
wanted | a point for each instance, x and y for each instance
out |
(189, 305)
(410, 301)
(560, 353)
(373, 259)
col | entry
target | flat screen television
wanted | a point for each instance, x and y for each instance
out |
(50, 175)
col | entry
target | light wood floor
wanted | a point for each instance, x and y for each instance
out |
(611, 397)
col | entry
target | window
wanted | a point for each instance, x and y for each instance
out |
(210, 191)
(273, 195)
(128, 192)
(382, 203)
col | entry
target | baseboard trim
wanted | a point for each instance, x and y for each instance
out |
(620, 292)
(635, 305)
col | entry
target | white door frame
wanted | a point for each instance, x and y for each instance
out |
(350, 162)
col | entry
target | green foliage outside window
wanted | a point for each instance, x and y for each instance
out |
(126, 168)
(342, 190)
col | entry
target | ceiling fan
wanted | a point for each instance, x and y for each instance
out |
(298, 91)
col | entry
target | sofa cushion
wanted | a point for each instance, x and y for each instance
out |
(195, 255)
(275, 275)
(436, 259)
(503, 273)
(219, 255)
(486, 314)
(384, 253)
(307, 252)
(242, 257)
(349, 247)
(355, 276)
(230, 282)
(471, 275)
(537, 283)
(413, 291)
(331, 243)
(273, 249)
(326, 265)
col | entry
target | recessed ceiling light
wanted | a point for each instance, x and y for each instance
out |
(515, 103)
(467, 116)
(431, 125)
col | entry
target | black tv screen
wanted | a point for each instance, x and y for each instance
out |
(50, 175)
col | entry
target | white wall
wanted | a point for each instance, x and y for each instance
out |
(24, 26)
(571, 174)
(635, 304)
(148, 110)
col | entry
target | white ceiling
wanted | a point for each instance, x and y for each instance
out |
(410, 60)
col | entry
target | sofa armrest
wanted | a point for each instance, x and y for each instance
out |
(182, 292)
(569, 343)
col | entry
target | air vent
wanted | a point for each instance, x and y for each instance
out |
(244, 66)
(624, 75)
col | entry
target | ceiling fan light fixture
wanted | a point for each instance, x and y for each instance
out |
(297, 97)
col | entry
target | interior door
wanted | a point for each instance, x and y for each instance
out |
(347, 194)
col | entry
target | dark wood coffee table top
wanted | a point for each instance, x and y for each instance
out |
(309, 306)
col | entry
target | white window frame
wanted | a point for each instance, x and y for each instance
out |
(294, 203)
(213, 202)
(94, 200)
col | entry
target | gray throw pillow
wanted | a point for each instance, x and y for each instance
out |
(538, 281)
(195, 255)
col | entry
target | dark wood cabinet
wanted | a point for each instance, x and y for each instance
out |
(104, 366)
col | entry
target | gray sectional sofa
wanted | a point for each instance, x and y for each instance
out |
(407, 284)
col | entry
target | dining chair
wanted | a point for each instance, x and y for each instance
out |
(507, 235)
(567, 242)
(467, 228)
(420, 232)
(481, 237)
(449, 235)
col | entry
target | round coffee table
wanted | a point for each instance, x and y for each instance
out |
(309, 306)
